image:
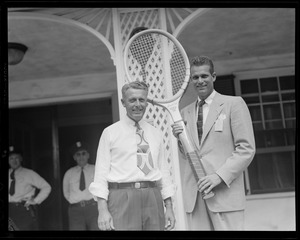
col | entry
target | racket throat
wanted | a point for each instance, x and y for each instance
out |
(173, 109)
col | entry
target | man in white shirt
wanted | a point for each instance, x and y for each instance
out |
(22, 183)
(132, 180)
(82, 210)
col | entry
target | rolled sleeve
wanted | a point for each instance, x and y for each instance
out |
(41, 184)
(166, 183)
(99, 187)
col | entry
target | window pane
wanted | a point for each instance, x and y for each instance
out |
(291, 136)
(272, 172)
(250, 100)
(289, 110)
(275, 138)
(272, 111)
(287, 82)
(274, 124)
(290, 124)
(259, 139)
(249, 86)
(268, 84)
(257, 126)
(255, 113)
(270, 98)
(288, 96)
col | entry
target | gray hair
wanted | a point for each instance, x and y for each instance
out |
(134, 85)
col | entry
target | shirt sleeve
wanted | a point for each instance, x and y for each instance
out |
(166, 183)
(42, 185)
(66, 185)
(99, 186)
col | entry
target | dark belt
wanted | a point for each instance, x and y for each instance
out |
(136, 185)
(17, 203)
(83, 203)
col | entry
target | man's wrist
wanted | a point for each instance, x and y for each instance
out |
(168, 202)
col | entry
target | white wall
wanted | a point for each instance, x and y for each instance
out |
(271, 212)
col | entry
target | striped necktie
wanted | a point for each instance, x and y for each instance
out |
(144, 157)
(200, 120)
(12, 184)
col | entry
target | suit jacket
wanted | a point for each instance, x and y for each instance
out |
(227, 148)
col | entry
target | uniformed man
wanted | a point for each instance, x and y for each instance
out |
(21, 196)
(83, 212)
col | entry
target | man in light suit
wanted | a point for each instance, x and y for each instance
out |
(226, 148)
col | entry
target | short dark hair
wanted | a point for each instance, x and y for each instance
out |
(134, 85)
(203, 60)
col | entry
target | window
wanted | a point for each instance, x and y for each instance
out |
(270, 97)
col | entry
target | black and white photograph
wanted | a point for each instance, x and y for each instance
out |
(149, 119)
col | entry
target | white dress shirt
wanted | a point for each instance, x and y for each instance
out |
(71, 181)
(206, 106)
(26, 180)
(117, 158)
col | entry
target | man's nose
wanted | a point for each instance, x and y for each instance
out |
(200, 80)
(137, 103)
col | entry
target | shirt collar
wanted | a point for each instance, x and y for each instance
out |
(209, 99)
(84, 167)
(131, 122)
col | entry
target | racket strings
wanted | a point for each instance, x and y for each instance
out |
(146, 62)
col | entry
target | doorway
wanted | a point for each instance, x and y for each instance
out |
(45, 135)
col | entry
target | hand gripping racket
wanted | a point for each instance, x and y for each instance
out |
(151, 56)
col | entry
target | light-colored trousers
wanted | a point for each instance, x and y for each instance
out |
(203, 219)
(136, 209)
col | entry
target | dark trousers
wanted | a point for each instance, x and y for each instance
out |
(136, 209)
(83, 217)
(23, 219)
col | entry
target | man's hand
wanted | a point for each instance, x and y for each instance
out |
(176, 129)
(29, 202)
(169, 216)
(105, 221)
(208, 182)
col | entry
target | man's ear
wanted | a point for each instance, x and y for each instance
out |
(214, 75)
(123, 103)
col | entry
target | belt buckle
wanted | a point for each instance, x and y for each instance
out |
(137, 185)
(82, 203)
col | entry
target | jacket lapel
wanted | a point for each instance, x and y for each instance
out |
(214, 111)
(193, 127)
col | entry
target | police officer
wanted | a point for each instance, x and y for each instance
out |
(83, 211)
(21, 196)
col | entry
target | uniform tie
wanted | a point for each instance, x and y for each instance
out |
(82, 180)
(12, 184)
(144, 157)
(200, 120)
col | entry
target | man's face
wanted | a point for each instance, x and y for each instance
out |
(81, 157)
(14, 160)
(202, 80)
(135, 102)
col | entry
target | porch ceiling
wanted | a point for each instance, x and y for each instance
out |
(56, 50)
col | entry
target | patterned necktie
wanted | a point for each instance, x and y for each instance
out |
(82, 180)
(12, 184)
(200, 120)
(144, 157)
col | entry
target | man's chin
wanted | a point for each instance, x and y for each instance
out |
(137, 116)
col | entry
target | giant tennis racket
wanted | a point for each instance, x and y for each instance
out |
(151, 56)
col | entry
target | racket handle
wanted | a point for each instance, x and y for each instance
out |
(207, 195)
